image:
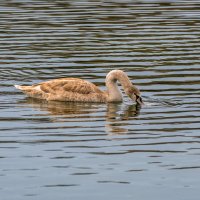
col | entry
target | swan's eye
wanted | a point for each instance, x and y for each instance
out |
(139, 99)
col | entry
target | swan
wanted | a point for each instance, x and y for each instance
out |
(75, 89)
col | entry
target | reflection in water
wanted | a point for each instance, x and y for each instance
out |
(115, 114)
(70, 109)
(45, 148)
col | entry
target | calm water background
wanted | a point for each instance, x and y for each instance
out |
(96, 151)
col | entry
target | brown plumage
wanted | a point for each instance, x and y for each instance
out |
(75, 89)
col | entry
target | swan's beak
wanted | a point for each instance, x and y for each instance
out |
(139, 100)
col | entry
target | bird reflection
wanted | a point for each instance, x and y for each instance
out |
(116, 115)
(60, 108)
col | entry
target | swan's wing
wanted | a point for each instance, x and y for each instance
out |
(73, 85)
(65, 89)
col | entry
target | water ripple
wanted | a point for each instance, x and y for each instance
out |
(50, 147)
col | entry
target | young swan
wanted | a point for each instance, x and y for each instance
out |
(75, 89)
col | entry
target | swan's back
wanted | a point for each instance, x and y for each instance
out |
(74, 85)
(65, 89)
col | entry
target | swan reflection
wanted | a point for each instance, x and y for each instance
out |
(116, 116)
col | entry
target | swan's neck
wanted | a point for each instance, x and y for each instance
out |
(114, 93)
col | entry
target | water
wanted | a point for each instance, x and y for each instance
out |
(98, 151)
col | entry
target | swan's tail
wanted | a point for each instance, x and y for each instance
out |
(31, 91)
(18, 87)
(24, 88)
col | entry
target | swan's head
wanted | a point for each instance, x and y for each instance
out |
(135, 95)
(131, 90)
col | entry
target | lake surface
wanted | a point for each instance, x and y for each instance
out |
(101, 151)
